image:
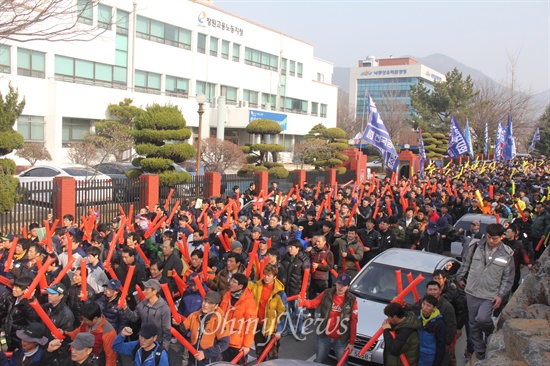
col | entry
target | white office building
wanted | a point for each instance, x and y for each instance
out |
(168, 51)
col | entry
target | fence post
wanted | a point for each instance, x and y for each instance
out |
(64, 197)
(149, 190)
(330, 177)
(212, 184)
(261, 179)
(300, 177)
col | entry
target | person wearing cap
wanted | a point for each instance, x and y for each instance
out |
(271, 306)
(208, 331)
(191, 300)
(5, 246)
(147, 350)
(430, 239)
(32, 350)
(239, 307)
(339, 316)
(153, 309)
(294, 264)
(108, 303)
(474, 207)
(57, 309)
(15, 311)
(81, 351)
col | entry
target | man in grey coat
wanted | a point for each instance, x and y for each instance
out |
(153, 309)
(487, 273)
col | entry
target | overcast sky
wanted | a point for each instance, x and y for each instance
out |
(480, 34)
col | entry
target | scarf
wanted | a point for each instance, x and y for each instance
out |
(432, 316)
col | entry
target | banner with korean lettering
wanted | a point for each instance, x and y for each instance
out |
(499, 146)
(486, 144)
(422, 152)
(377, 135)
(536, 138)
(468, 139)
(457, 143)
(509, 143)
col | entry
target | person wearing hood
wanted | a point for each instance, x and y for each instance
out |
(239, 307)
(400, 335)
(432, 334)
(153, 309)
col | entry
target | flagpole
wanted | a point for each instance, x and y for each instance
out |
(363, 119)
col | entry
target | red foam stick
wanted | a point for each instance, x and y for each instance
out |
(424, 186)
(170, 301)
(344, 357)
(41, 274)
(491, 191)
(140, 294)
(174, 210)
(63, 271)
(303, 289)
(317, 190)
(279, 203)
(180, 283)
(251, 261)
(269, 242)
(357, 266)
(267, 348)
(126, 286)
(153, 228)
(167, 203)
(142, 255)
(111, 273)
(497, 216)
(298, 198)
(237, 357)
(262, 265)
(399, 280)
(521, 212)
(539, 245)
(287, 197)
(24, 232)
(238, 201)
(348, 183)
(198, 283)
(205, 261)
(414, 290)
(184, 249)
(337, 221)
(202, 214)
(112, 246)
(352, 213)
(189, 227)
(184, 342)
(204, 226)
(415, 208)
(9, 260)
(5, 281)
(334, 273)
(225, 242)
(388, 206)
(84, 284)
(46, 319)
(320, 210)
(376, 208)
(121, 210)
(361, 193)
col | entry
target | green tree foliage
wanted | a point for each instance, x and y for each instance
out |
(159, 134)
(543, 146)
(10, 109)
(32, 152)
(434, 109)
(264, 127)
(259, 152)
(435, 144)
(321, 147)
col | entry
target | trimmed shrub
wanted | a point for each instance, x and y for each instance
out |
(155, 165)
(264, 127)
(269, 164)
(260, 169)
(8, 191)
(341, 170)
(7, 166)
(267, 147)
(171, 178)
(246, 149)
(279, 172)
(133, 173)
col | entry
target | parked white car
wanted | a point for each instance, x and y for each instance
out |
(92, 186)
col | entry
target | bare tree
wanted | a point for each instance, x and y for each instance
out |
(345, 117)
(46, 20)
(394, 112)
(84, 153)
(312, 150)
(33, 152)
(220, 155)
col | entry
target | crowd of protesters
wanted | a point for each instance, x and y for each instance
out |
(224, 274)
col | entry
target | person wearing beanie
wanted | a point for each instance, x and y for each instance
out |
(145, 351)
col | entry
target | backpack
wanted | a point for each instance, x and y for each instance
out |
(158, 353)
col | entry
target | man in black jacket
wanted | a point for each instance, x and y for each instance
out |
(388, 237)
(371, 238)
(129, 259)
(294, 263)
(57, 309)
(409, 223)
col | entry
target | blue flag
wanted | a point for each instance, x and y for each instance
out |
(509, 143)
(457, 143)
(499, 146)
(468, 139)
(422, 152)
(486, 145)
(536, 138)
(377, 135)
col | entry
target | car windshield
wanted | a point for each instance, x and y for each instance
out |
(378, 282)
(79, 172)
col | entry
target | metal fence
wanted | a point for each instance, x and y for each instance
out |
(107, 198)
(314, 176)
(183, 192)
(346, 177)
(34, 203)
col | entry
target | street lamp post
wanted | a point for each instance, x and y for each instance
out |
(201, 99)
